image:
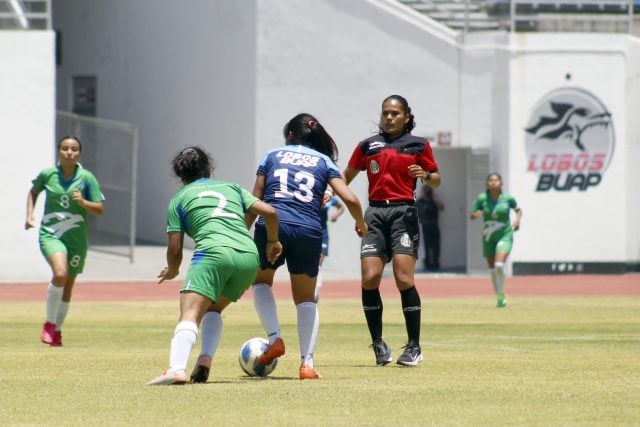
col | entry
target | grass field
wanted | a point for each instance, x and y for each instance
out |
(543, 361)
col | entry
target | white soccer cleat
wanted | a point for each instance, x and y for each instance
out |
(170, 378)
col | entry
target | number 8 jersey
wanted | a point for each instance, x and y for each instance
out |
(296, 178)
(63, 217)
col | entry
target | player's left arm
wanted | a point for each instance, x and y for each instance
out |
(95, 208)
(516, 222)
(91, 197)
(426, 168)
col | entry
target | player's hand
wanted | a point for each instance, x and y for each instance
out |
(274, 250)
(416, 171)
(77, 196)
(167, 274)
(328, 195)
(362, 229)
(515, 226)
(29, 223)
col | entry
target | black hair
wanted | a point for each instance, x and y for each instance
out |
(499, 177)
(305, 129)
(408, 127)
(191, 164)
(494, 174)
(64, 138)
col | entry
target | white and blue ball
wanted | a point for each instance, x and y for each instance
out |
(249, 353)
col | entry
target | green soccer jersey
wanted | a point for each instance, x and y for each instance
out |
(63, 217)
(495, 214)
(211, 212)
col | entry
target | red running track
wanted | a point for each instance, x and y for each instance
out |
(428, 286)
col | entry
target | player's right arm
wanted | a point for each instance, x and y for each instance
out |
(175, 241)
(353, 204)
(476, 209)
(31, 201)
(258, 191)
(338, 212)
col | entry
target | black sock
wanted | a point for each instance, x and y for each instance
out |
(411, 309)
(372, 306)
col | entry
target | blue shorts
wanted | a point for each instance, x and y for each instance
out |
(301, 248)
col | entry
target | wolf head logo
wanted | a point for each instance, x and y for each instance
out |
(569, 121)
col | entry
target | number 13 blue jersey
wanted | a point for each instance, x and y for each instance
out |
(296, 178)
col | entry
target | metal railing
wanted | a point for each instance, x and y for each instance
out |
(110, 152)
(25, 14)
(530, 15)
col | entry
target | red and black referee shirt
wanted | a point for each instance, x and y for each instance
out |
(387, 165)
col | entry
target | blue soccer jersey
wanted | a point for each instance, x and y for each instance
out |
(296, 178)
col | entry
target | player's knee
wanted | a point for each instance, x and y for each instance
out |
(60, 276)
(499, 267)
(371, 280)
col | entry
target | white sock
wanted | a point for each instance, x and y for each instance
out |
(54, 296)
(494, 279)
(63, 309)
(184, 338)
(265, 306)
(499, 278)
(308, 320)
(210, 333)
(318, 286)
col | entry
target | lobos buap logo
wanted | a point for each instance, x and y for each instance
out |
(569, 140)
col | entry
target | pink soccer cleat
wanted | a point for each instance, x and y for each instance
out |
(48, 329)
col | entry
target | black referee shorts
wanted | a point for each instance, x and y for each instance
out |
(392, 230)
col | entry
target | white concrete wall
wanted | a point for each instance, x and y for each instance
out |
(228, 75)
(632, 150)
(338, 60)
(27, 99)
(591, 225)
(183, 72)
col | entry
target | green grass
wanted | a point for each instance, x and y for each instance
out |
(540, 362)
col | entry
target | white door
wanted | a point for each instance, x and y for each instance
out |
(478, 164)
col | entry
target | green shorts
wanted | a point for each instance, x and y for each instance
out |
(76, 254)
(500, 244)
(221, 271)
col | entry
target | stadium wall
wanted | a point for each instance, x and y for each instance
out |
(232, 73)
(27, 112)
(574, 175)
(185, 74)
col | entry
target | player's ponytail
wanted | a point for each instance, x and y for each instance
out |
(306, 130)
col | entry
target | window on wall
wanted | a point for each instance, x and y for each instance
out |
(84, 95)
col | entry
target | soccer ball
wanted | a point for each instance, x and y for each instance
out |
(249, 353)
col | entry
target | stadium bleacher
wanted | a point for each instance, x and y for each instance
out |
(532, 15)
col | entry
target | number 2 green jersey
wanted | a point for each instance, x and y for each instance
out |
(495, 214)
(63, 217)
(211, 212)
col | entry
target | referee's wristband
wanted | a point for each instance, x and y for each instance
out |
(273, 241)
